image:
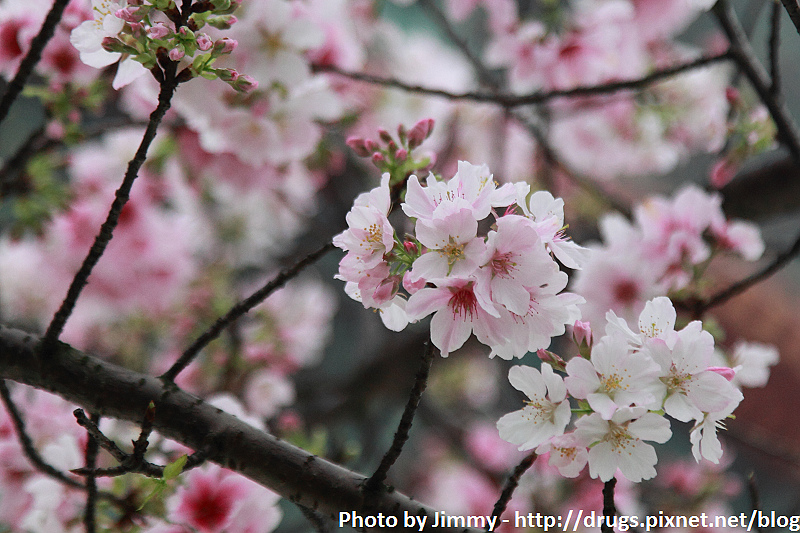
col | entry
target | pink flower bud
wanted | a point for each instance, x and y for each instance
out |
(128, 14)
(204, 42)
(733, 95)
(378, 159)
(158, 31)
(358, 145)
(411, 247)
(176, 53)
(421, 131)
(371, 145)
(392, 147)
(401, 133)
(582, 333)
(724, 371)
(401, 155)
(245, 83)
(384, 135)
(721, 173)
(549, 357)
(225, 46)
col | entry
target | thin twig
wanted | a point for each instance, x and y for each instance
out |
(27, 444)
(774, 50)
(755, 498)
(742, 285)
(512, 101)
(107, 229)
(239, 310)
(746, 58)
(511, 485)
(375, 482)
(89, 515)
(33, 56)
(609, 508)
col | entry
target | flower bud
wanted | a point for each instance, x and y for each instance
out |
(112, 44)
(358, 145)
(225, 46)
(401, 155)
(245, 83)
(371, 145)
(158, 31)
(551, 358)
(421, 131)
(177, 53)
(384, 135)
(378, 159)
(204, 42)
(223, 22)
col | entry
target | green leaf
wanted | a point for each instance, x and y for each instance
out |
(174, 469)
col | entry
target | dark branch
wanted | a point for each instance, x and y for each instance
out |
(746, 58)
(511, 484)
(107, 229)
(742, 285)
(375, 483)
(511, 101)
(33, 56)
(116, 392)
(793, 8)
(90, 456)
(27, 444)
(774, 50)
(239, 310)
(609, 508)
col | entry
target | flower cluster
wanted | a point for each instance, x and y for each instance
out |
(144, 33)
(505, 286)
(667, 247)
(622, 390)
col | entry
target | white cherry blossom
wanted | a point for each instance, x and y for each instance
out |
(546, 412)
(619, 443)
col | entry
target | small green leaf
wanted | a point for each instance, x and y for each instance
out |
(174, 469)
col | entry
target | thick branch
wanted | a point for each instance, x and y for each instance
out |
(113, 391)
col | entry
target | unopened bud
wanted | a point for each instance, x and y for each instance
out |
(378, 159)
(733, 95)
(112, 44)
(421, 131)
(411, 247)
(358, 145)
(392, 147)
(158, 31)
(401, 155)
(552, 359)
(384, 135)
(225, 46)
(223, 22)
(245, 83)
(204, 42)
(177, 53)
(401, 133)
(371, 145)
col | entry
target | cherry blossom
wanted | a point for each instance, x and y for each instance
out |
(546, 412)
(619, 442)
(565, 452)
(615, 378)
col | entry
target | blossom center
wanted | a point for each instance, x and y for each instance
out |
(463, 303)
(502, 265)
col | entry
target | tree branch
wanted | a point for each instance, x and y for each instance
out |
(793, 8)
(33, 56)
(512, 483)
(375, 482)
(746, 58)
(113, 391)
(240, 309)
(511, 101)
(107, 229)
(609, 508)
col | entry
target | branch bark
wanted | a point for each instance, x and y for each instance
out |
(113, 391)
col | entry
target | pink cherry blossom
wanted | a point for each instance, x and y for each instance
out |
(460, 305)
(565, 452)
